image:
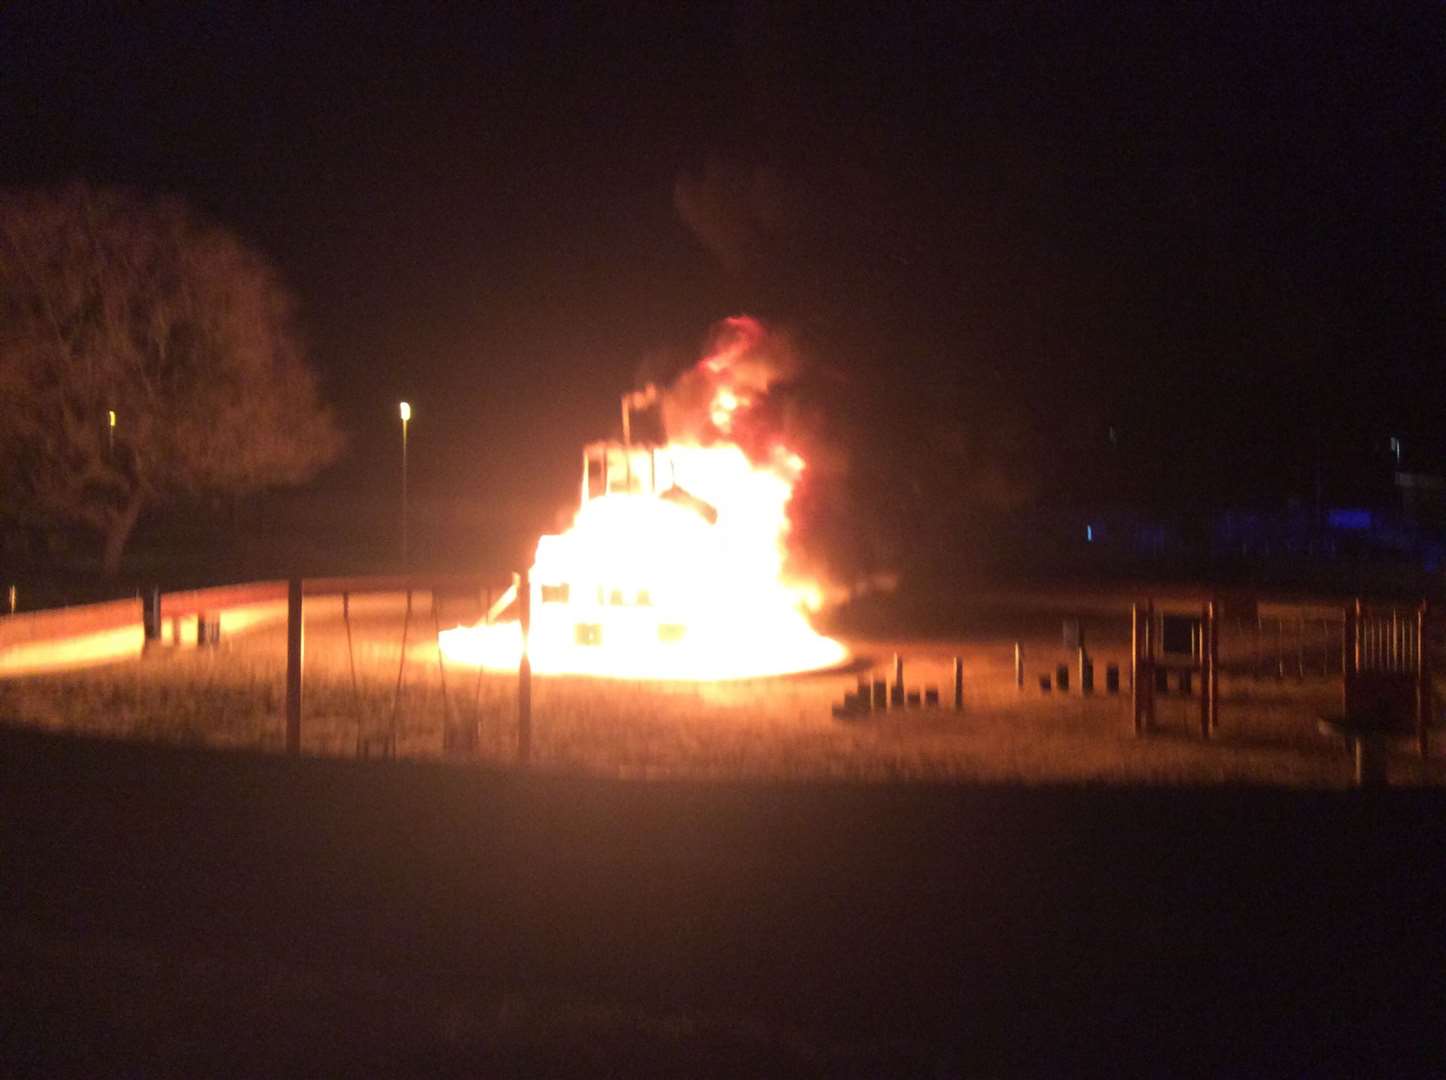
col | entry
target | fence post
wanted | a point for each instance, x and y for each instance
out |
(294, 653)
(1150, 652)
(1350, 652)
(524, 670)
(1142, 665)
(1423, 682)
(1209, 643)
(1135, 673)
(151, 614)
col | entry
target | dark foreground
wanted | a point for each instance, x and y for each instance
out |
(178, 912)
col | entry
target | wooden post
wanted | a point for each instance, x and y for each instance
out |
(1370, 755)
(1018, 666)
(1209, 683)
(1424, 702)
(896, 692)
(1214, 678)
(1136, 675)
(958, 684)
(294, 654)
(1350, 653)
(1150, 663)
(1142, 665)
(524, 671)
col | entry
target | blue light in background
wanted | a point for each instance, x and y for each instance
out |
(1354, 520)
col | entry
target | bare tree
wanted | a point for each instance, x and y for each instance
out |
(145, 352)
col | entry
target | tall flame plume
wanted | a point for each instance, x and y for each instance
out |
(674, 566)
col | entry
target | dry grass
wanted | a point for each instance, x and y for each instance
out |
(232, 696)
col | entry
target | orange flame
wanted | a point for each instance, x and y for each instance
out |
(674, 567)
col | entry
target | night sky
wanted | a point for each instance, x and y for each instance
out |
(1215, 230)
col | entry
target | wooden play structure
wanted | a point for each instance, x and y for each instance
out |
(1386, 689)
(1173, 643)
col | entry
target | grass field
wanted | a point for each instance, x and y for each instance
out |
(1023, 888)
(362, 687)
(177, 912)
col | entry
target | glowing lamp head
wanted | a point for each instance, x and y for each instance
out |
(406, 411)
(110, 417)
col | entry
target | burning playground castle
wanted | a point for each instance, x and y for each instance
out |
(674, 566)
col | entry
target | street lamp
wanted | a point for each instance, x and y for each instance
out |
(406, 411)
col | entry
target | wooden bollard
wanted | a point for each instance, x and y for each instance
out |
(1045, 686)
(880, 695)
(1086, 673)
(1061, 678)
(931, 696)
(958, 684)
(1018, 666)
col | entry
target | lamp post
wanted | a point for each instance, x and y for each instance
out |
(406, 412)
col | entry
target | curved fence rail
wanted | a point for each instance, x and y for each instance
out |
(34, 642)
